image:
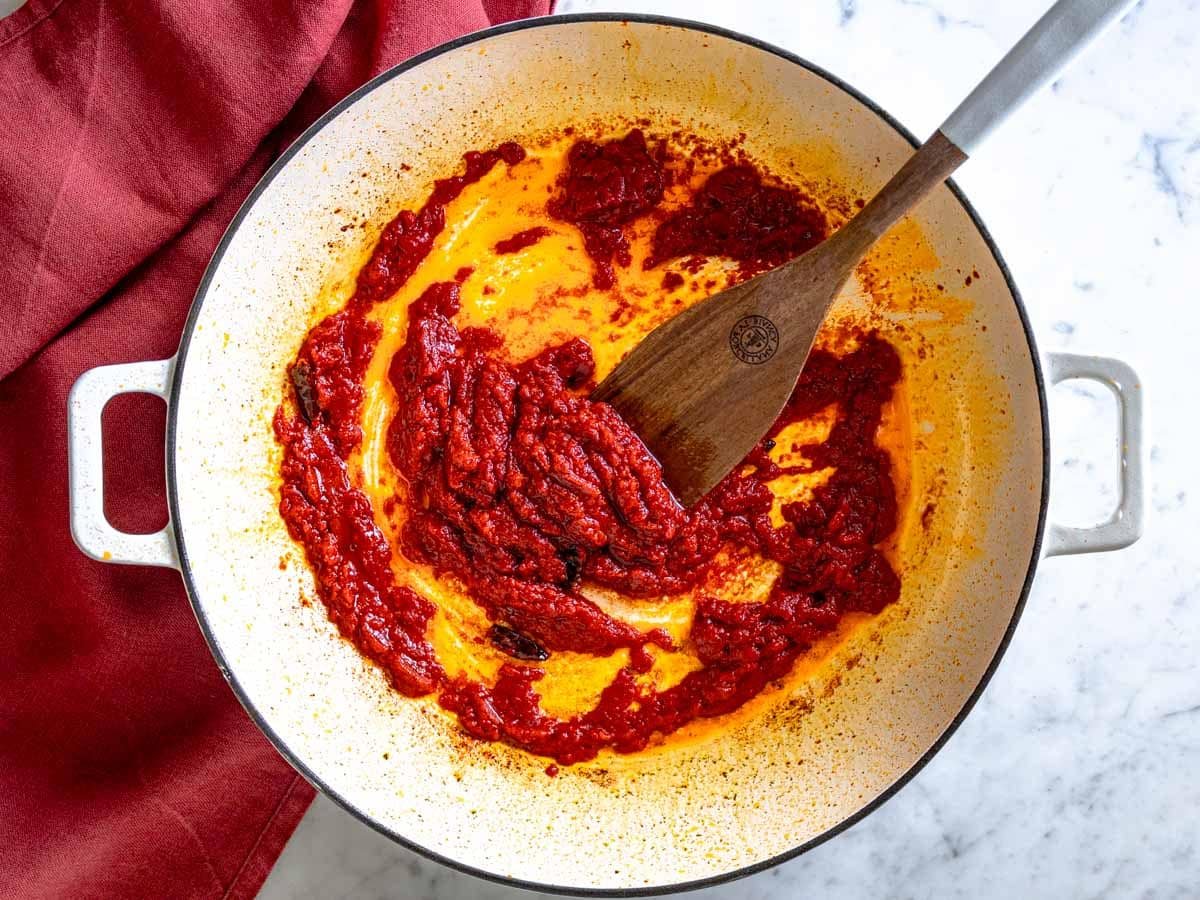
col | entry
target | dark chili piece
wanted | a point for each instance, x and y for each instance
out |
(306, 399)
(517, 645)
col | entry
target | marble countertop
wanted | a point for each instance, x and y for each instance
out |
(1078, 773)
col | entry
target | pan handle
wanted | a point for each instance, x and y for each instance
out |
(91, 530)
(1124, 526)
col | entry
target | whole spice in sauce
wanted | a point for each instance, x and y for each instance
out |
(306, 400)
(517, 645)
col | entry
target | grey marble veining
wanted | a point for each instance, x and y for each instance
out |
(1078, 773)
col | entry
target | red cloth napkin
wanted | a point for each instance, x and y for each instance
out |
(132, 132)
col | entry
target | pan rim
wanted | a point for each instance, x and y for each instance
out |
(260, 720)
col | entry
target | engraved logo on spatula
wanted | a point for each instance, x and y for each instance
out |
(754, 339)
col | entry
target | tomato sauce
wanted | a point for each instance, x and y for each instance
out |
(525, 492)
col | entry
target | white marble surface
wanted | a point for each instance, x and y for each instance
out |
(1078, 774)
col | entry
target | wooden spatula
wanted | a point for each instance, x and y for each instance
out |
(703, 388)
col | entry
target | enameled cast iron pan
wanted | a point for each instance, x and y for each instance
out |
(843, 737)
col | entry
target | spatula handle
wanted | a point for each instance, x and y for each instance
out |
(1066, 28)
(1054, 41)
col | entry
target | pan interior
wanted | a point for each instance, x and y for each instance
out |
(841, 732)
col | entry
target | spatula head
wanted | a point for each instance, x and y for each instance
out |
(702, 389)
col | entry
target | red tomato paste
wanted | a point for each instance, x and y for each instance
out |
(525, 491)
(736, 215)
(605, 187)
